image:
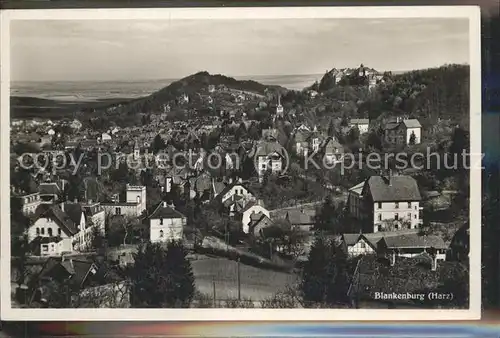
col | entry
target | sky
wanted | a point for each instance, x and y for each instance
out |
(132, 50)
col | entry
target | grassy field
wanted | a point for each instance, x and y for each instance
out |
(256, 284)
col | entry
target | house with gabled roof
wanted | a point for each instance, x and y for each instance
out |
(77, 274)
(390, 202)
(253, 211)
(233, 189)
(358, 244)
(166, 223)
(333, 151)
(268, 157)
(49, 192)
(413, 245)
(52, 231)
(403, 131)
(300, 220)
(362, 125)
(301, 144)
(259, 223)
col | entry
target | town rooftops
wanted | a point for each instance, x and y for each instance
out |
(49, 189)
(351, 239)
(393, 188)
(414, 241)
(301, 136)
(165, 211)
(360, 121)
(297, 217)
(412, 123)
(228, 187)
(266, 148)
(74, 211)
(60, 217)
(358, 188)
(408, 123)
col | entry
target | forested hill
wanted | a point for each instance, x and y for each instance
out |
(432, 93)
(192, 86)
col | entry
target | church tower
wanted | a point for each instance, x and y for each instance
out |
(279, 108)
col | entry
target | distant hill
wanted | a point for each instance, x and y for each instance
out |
(344, 76)
(429, 93)
(193, 86)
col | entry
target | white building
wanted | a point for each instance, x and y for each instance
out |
(389, 203)
(401, 131)
(166, 224)
(252, 208)
(66, 227)
(362, 125)
(133, 206)
(358, 244)
(29, 203)
(105, 137)
(235, 189)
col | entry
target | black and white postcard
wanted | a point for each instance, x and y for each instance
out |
(291, 163)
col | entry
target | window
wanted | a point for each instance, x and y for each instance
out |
(379, 217)
(415, 207)
(161, 221)
(415, 216)
(59, 232)
(396, 205)
(161, 233)
(409, 205)
(362, 245)
(379, 205)
(42, 231)
(45, 247)
(49, 230)
(138, 199)
(409, 215)
(37, 231)
(118, 211)
(396, 216)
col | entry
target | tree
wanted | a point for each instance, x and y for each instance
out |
(353, 135)
(374, 140)
(326, 219)
(158, 144)
(161, 278)
(325, 280)
(97, 239)
(412, 139)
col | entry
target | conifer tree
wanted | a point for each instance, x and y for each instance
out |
(162, 278)
(325, 279)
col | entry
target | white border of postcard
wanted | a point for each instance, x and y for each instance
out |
(470, 12)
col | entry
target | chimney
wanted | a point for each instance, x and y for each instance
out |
(260, 202)
(393, 258)
(164, 204)
(75, 200)
(62, 207)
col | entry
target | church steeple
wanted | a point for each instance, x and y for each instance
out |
(279, 108)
